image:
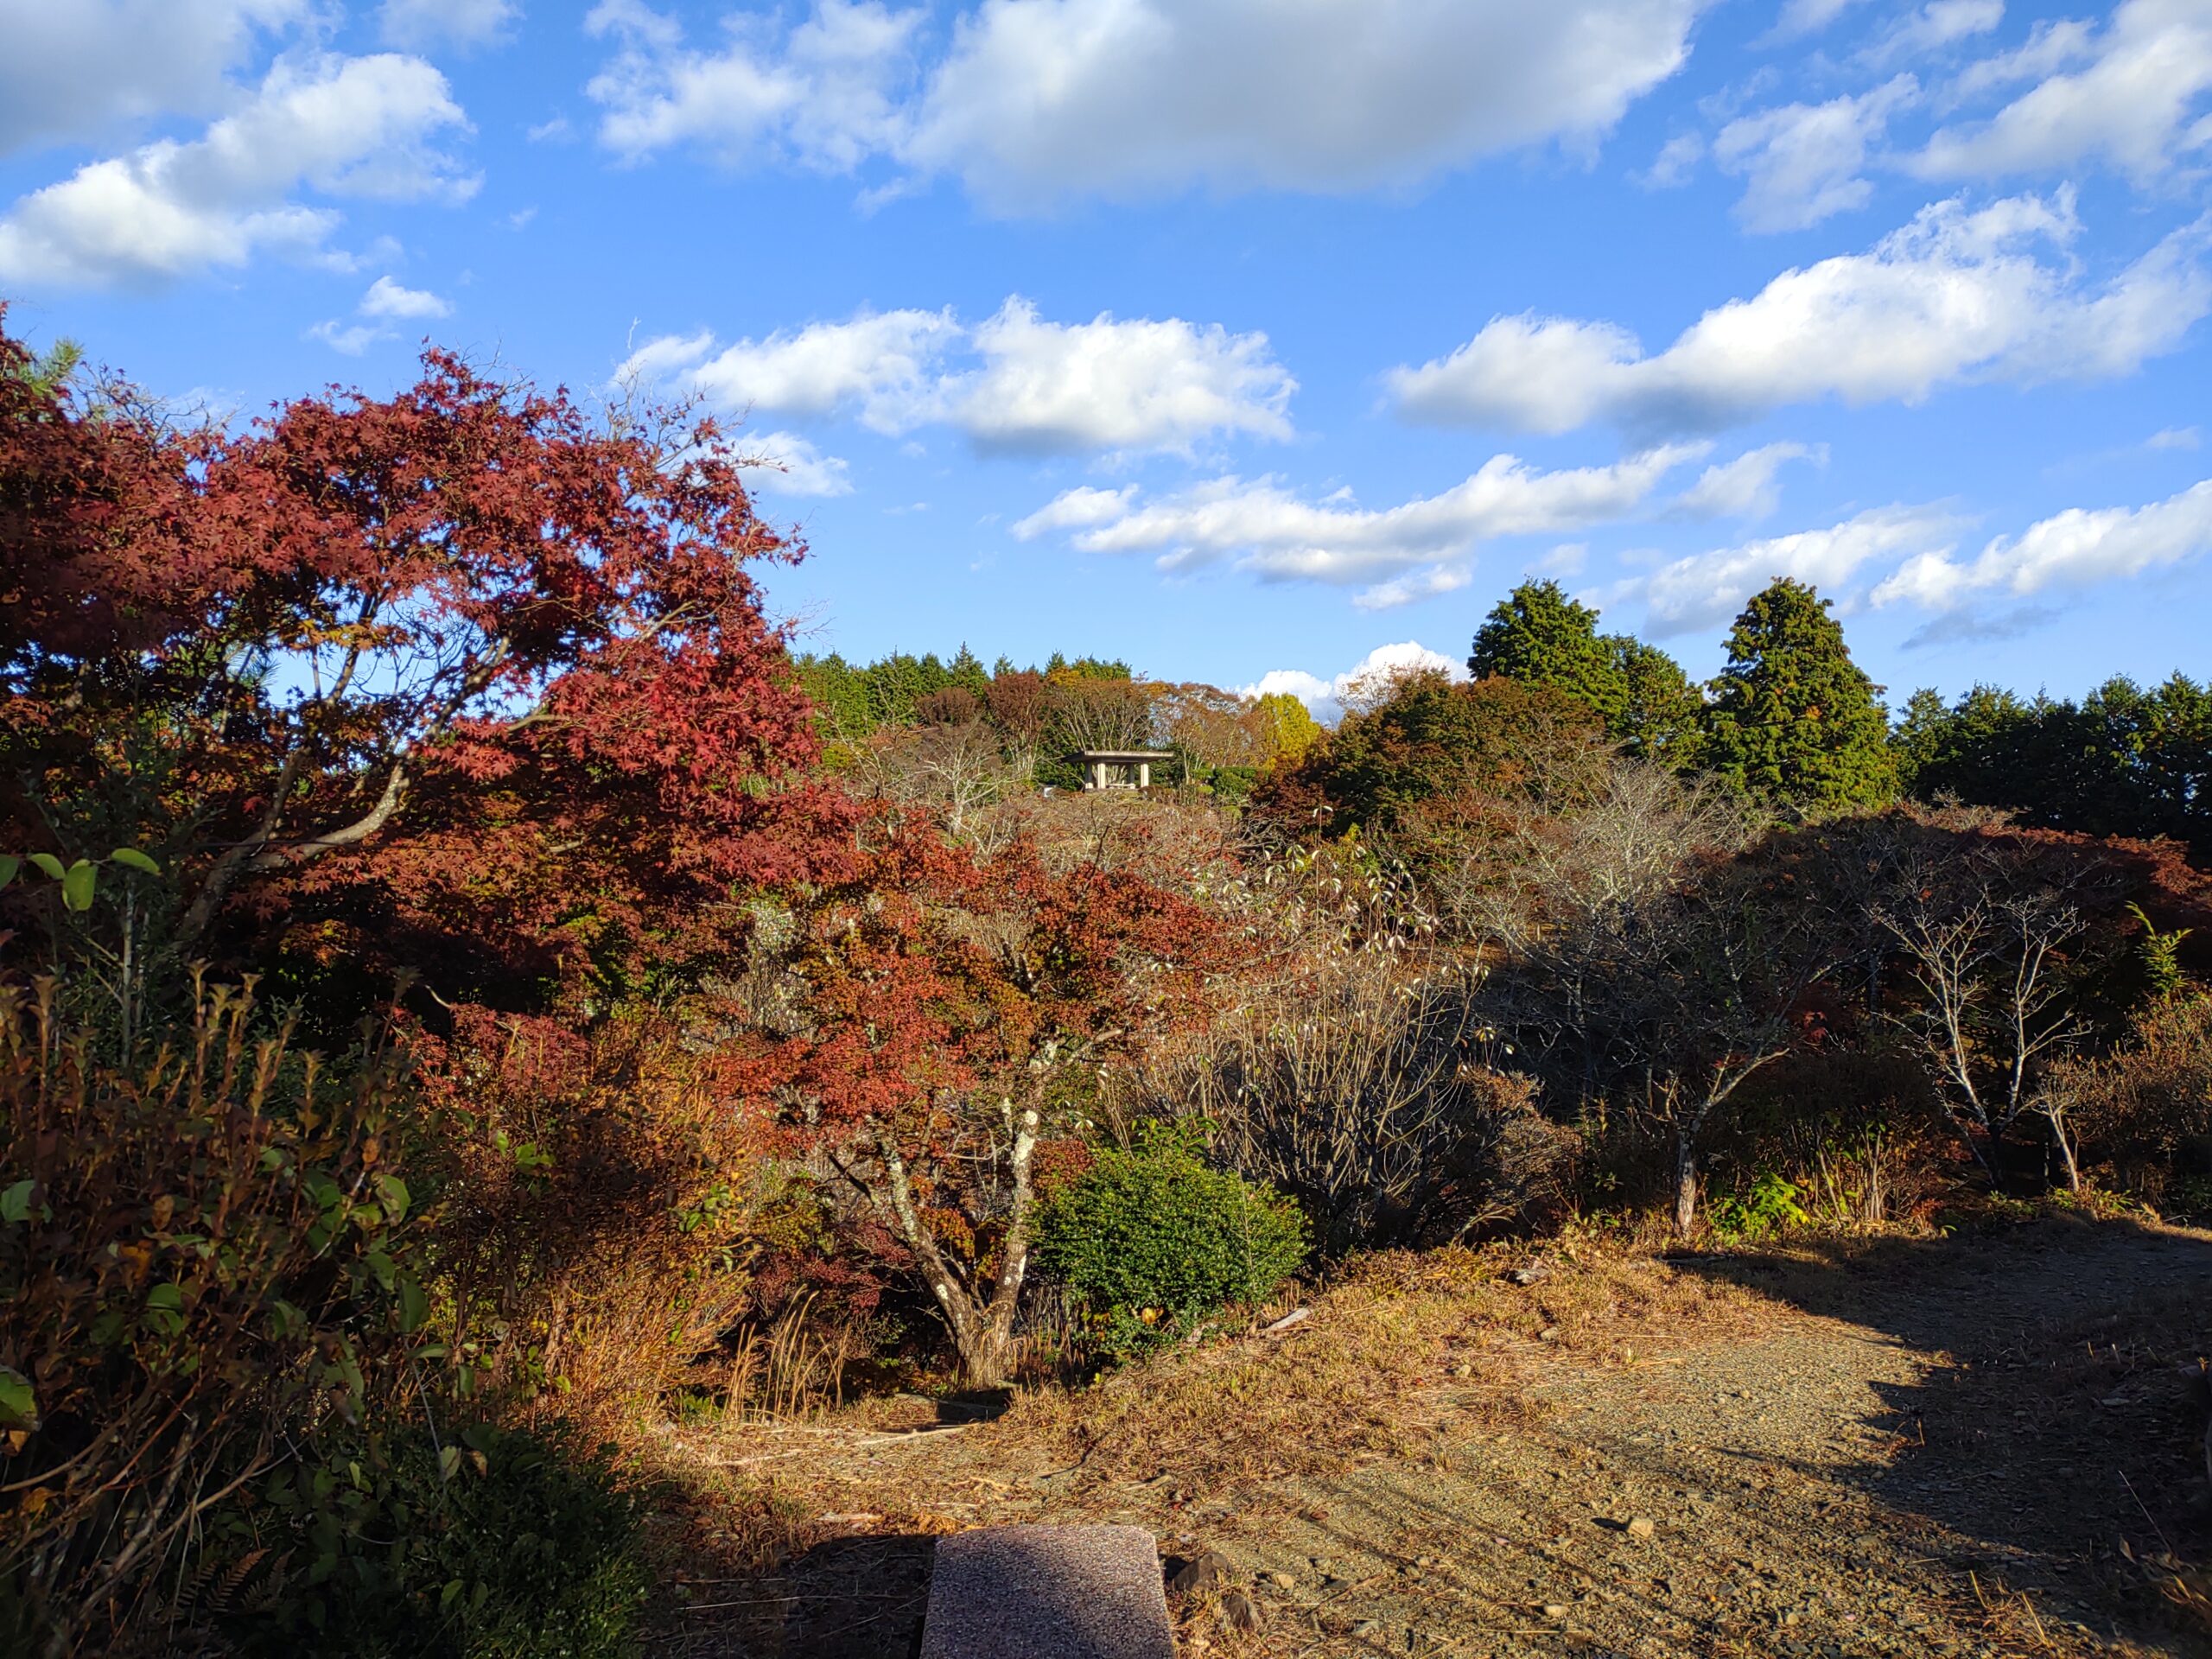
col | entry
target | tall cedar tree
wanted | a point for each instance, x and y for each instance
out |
(1791, 715)
(1538, 636)
(456, 681)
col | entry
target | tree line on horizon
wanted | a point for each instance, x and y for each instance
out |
(1790, 717)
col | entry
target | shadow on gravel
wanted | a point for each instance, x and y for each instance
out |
(845, 1599)
(2055, 1443)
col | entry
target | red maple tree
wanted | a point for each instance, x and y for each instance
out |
(946, 1009)
(460, 680)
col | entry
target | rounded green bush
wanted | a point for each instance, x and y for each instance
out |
(1155, 1230)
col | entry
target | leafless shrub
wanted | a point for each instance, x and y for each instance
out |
(2145, 1110)
(1352, 1075)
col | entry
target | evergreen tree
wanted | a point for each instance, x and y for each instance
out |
(1661, 712)
(968, 672)
(1791, 715)
(1538, 636)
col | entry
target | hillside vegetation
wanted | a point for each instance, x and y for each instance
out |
(480, 1016)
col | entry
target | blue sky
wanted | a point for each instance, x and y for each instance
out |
(1236, 338)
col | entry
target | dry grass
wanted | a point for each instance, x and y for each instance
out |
(1399, 1340)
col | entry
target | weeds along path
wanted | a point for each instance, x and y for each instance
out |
(1964, 1447)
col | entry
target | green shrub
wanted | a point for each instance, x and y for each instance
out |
(494, 1545)
(1768, 1206)
(1154, 1239)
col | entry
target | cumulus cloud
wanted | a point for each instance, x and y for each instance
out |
(783, 463)
(76, 69)
(1958, 295)
(1013, 381)
(1748, 487)
(821, 94)
(1034, 101)
(2074, 548)
(1041, 99)
(1265, 529)
(1105, 384)
(344, 126)
(880, 366)
(1325, 699)
(419, 24)
(1802, 160)
(2134, 103)
(1706, 589)
(386, 298)
(386, 301)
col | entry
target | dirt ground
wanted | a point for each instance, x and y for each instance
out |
(1953, 1446)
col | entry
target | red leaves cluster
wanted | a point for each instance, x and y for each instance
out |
(459, 680)
(931, 973)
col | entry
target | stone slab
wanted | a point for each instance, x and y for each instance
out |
(1047, 1593)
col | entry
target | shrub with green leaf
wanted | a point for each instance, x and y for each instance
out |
(1155, 1238)
(490, 1544)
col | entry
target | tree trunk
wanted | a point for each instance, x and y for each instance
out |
(981, 1332)
(1686, 1183)
(2065, 1150)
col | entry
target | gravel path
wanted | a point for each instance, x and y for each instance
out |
(1970, 1448)
(1934, 1451)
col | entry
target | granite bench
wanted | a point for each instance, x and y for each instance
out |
(1047, 1593)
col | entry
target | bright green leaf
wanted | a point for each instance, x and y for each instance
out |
(16, 1201)
(8, 865)
(448, 1461)
(392, 1194)
(414, 1304)
(49, 863)
(18, 1403)
(131, 858)
(77, 884)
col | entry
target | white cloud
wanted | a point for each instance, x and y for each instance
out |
(1013, 381)
(1277, 536)
(1938, 24)
(2074, 548)
(882, 366)
(386, 298)
(76, 69)
(1803, 18)
(1954, 296)
(783, 463)
(419, 24)
(1109, 385)
(1706, 589)
(2131, 106)
(821, 94)
(2173, 437)
(1677, 162)
(1746, 488)
(1041, 99)
(345, 126)
(1802, 160)
(1035, 101)
(350, 339)
(1414, 586)
(1326, 698)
